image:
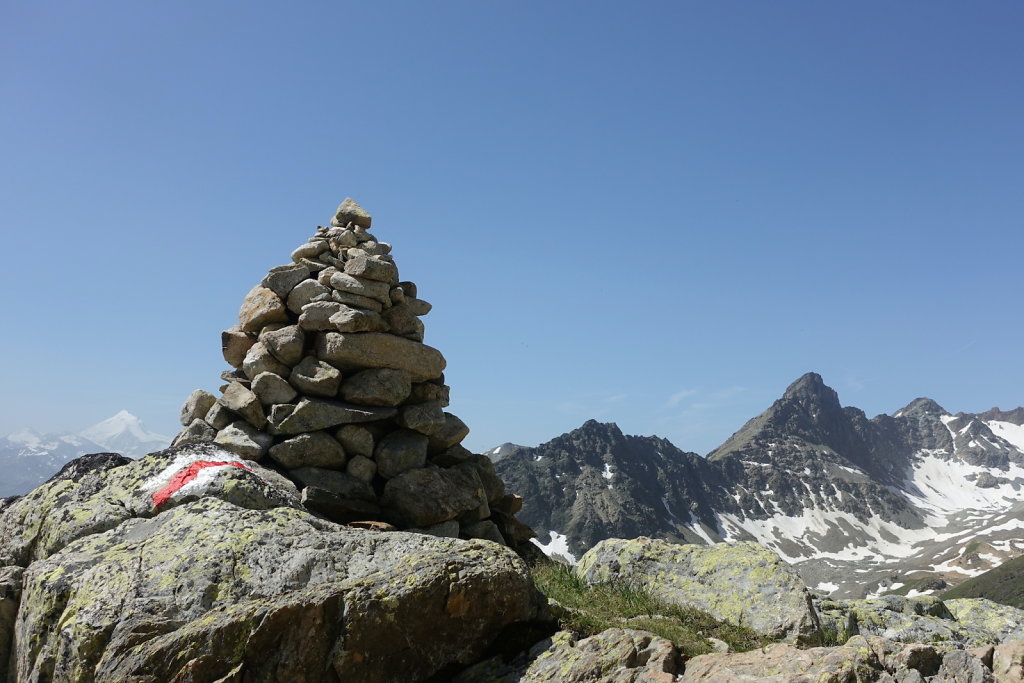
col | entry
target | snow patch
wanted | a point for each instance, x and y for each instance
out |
(1009, 432)
(557, 547)
(941, 485)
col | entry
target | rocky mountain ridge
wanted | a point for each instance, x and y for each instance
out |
(893, 500)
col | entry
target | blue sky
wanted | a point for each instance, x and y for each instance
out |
(657, 214)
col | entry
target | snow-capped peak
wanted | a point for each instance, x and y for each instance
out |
(122, 427)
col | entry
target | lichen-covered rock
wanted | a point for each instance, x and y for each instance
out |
(92, 499)
(612, 656)
(307, 292)
(958, 666)
(741, 583)
(426, 418)
(232, 580)
(1005, 623)
(451, 434)
(922, 619)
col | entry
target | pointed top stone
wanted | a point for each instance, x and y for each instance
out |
(350, 212)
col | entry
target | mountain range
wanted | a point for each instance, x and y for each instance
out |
(914, 502)
(28, 458)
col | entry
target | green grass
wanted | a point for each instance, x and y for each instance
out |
(832, 635)
(1004, 584)
(596, 608)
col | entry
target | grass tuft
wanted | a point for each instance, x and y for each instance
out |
(593, 609)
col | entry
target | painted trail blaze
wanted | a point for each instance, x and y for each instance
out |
(186, 475)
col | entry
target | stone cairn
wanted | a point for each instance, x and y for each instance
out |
(333, 386)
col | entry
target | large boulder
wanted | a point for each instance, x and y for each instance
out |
(1005, 623)
(741, 583)
(192, 564)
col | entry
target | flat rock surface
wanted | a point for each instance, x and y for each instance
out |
(613, 656)
(360, 350)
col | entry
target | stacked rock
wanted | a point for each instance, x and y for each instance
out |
(332, 383)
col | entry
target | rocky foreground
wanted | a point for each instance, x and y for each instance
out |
(232, 579)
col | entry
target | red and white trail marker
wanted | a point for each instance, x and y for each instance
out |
(189, 472)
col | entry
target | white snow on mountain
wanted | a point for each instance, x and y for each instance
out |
(28, 458)
(557, 547)
(1008, 431)
(124, 433)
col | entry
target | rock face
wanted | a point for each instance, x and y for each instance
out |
(742, 583)
(330, 373)
(194, 564)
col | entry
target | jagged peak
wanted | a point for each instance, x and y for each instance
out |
(1016, 416)
(921, 406)
(811, 388)
(593, 425)
(810, 381)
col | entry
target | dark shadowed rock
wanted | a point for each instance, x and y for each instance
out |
(377, 387)
(425, 496)
(314, 449)
(92, 463)
(400, 451)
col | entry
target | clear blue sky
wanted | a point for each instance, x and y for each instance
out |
(655, 213)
